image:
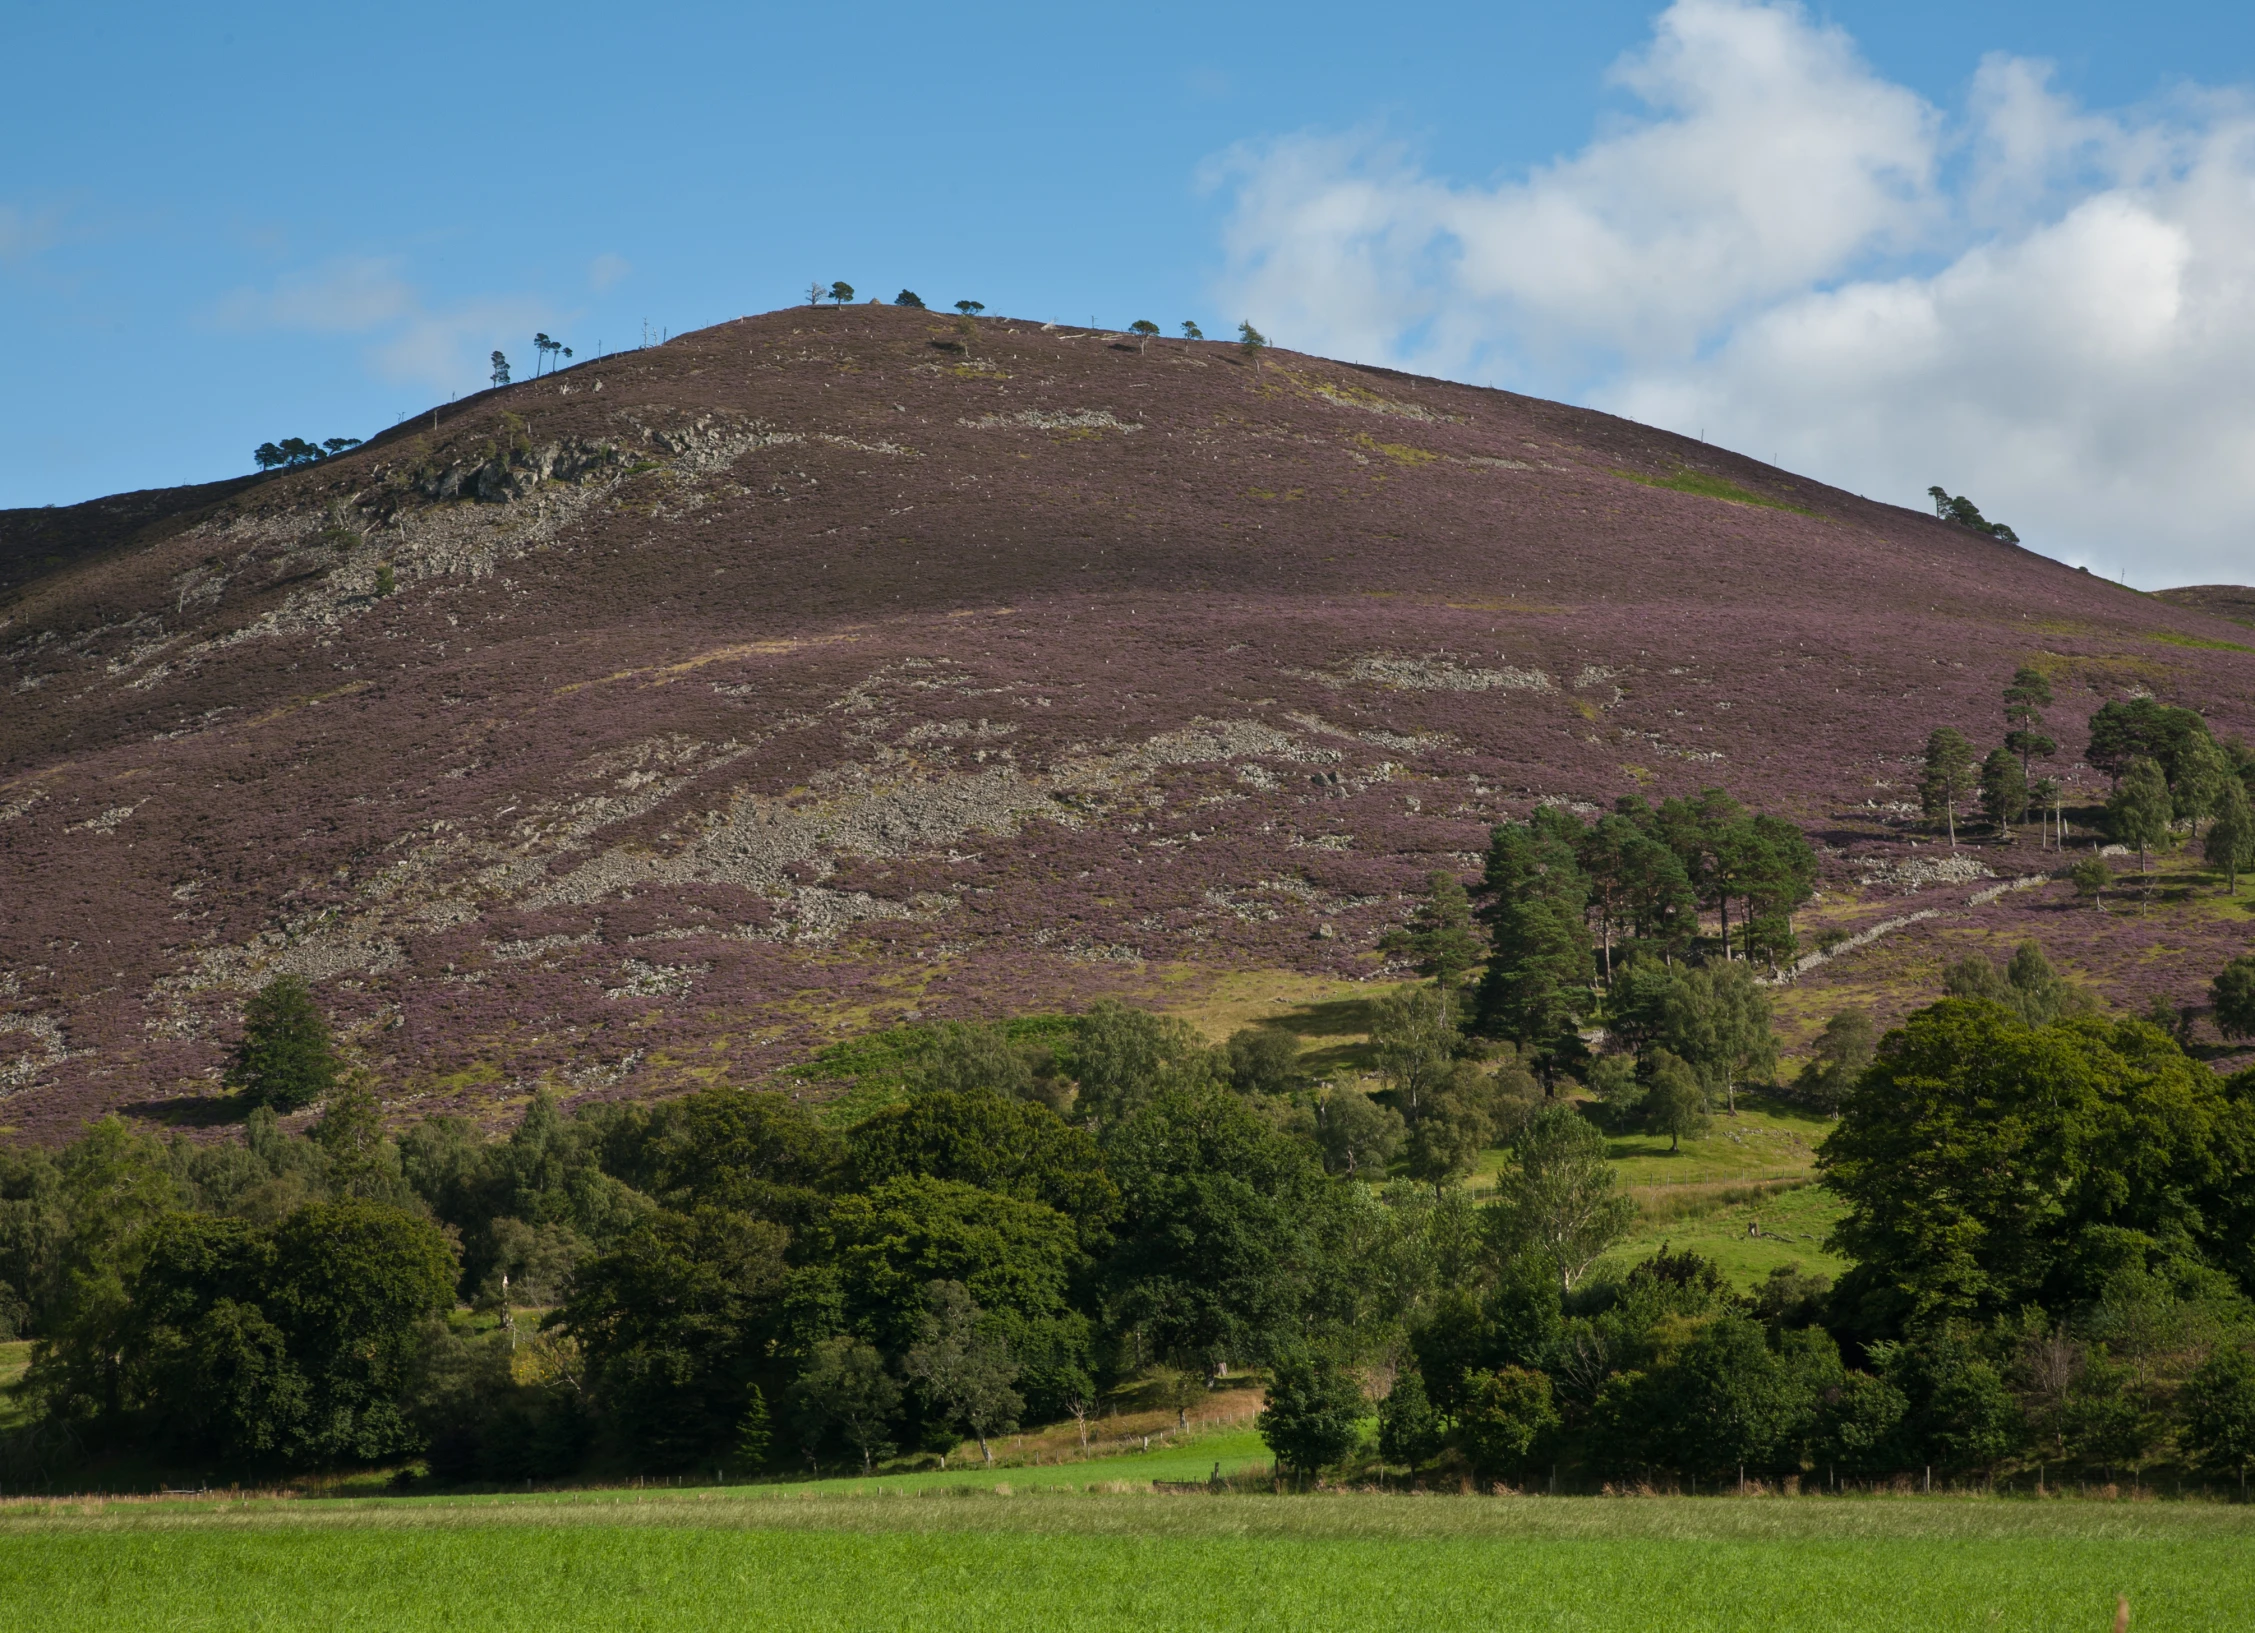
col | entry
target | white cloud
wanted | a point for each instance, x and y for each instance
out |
(2049, 308)
(607, 271)
(411, 341)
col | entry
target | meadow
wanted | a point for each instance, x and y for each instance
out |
(779, 1559)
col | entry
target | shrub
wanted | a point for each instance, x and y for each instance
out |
(1504, 1414)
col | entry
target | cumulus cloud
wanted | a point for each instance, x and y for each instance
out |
(2047, 307)
(410, 340)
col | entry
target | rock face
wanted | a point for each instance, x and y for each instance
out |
(646, 724)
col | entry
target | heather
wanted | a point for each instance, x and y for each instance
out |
(670, 717)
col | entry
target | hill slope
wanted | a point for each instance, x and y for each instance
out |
(646, 723)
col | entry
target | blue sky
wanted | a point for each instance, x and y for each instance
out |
(221, 226)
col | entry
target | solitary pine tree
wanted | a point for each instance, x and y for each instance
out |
(1251, 343)
(909, 298)
(1143, 329)
(970, 309)
(500, 369)
(1947, 778)
(2024, 703)
(286, 1059)
(2140, 810)
(841, 292)
(2233, 994)
(1191, 331)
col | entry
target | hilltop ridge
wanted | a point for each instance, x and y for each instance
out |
(647, 723)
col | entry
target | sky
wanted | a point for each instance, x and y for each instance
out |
(2008, 249)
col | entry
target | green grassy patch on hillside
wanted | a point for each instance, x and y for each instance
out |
(1707, 486)
(683, 1562)
(2205, 643)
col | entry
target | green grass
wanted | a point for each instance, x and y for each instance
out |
(1794, 1223)
(1686, 480)
(683, 1562)
(2170, 637)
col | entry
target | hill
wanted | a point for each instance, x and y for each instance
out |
(652, 722)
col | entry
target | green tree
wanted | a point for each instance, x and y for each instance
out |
(350, 1133)
(1217, 1249)
(2233, 995)
(1737, 1397)
(1675, 1102)
(2024, 703)
(910, 299)
(1541, 971)
(1313, 1415)
(1504, 1414)
(1263, 1061)
(845, 1390)
(2028, 985)
(1014, 1147)
(2230, 847)
(1251, 343)
(674, 1323)
(1960, 511)
(1413, 1037)
(1191, 331)
(1843, 1049)
(2139, 811)
(2090, 878)
(285, 1059)
(500, 374)
(1988, 1165)
(970, 309)
(1558, 1199)
(1123, 1057)
(1717, 1017)
(1409, 1430)
(1143, 329)
(965, 1365)
(1356, 1136)
(2219, 1412)
(2128, 730)
(2004, 791)
(840, 293)
(1017, 1257)
(1947, 777)
(1440, 941)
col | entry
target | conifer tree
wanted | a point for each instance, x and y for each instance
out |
(286, 1059)
(1439, 940)
(2004, 791)
(1947, 777)
(2024, 703)
(2231, 836)
(2140, 810)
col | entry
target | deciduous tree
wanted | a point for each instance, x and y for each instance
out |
(1558, 1198)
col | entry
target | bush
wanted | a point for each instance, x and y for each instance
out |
(1313, 1415)
(1504, 1414)
(2233, 994)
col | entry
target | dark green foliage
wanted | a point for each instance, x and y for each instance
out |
(978, 1138)
(840, 292)
(1960, 511)
(1675, 1101)
(970, 309)
(2230, 845)
(844, 1392)
(1843, 1049)
(1515, 1323)
(1263, 1060)
(2219, 1413)
(286, 1059)
(672, 1322)
(1557, 1200)
(1503, 1416)
(2233, 994)
(2139, 811)
(1947, 777)
(281, 1346)
(887, 1246)
(1736, 1397)
(1614, 1080)
(1858, 1428)
(1251, 342)
(2133, 729)
(1958, 1415)
(1191, 331)
(1989, 1165)
(909, 298)
(2024, 703)
(965, 1365)
(483, 1423)
(292, 452)
(1440, 941)
(1637, 885)
(748, 1150)
(1409, 1430)
(2004, 790)
(1216, 1249)
(1312, 1419)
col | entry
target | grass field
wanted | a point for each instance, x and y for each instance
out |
(774, 1559)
